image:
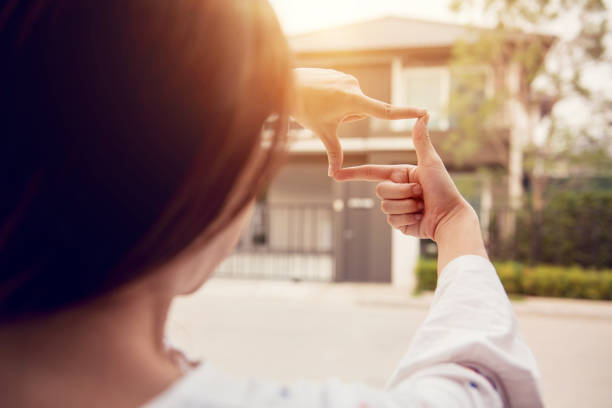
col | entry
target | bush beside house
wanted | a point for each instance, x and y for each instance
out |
(575, 228)
(540, 280)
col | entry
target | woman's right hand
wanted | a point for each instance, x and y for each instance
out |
(441, 198)
(447, 218)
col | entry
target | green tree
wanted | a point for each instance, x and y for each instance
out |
(514, 77)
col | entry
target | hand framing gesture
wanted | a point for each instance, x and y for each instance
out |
(401, 185)
(325, 98)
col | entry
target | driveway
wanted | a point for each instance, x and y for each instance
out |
(358, 332)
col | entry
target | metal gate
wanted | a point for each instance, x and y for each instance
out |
(285, 241)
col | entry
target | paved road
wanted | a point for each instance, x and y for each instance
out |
(358, 333)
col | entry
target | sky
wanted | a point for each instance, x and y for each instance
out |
(298, 16)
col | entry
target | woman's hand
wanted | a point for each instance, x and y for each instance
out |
(447, 218)
(324, 98)
(401, 184)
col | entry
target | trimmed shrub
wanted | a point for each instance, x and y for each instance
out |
(574, 228)
(541, 280)
(427, 275)
(511, 276)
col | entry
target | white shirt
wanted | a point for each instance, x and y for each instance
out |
(468, 353)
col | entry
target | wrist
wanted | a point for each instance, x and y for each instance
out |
(457, 234)
(461, 219)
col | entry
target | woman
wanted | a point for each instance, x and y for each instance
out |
(132, 149)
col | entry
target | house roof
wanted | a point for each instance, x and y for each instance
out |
(380, 34)
(394, 33)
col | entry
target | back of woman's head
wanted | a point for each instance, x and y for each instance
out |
(124, 128)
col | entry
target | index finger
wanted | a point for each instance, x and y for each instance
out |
(372, 172)
(382, 110)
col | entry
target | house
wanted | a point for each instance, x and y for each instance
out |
(306, 225)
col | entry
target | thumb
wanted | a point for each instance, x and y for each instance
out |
(425, 150)
(334, 150)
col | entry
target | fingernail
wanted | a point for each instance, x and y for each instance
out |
(330, 172)
(417, 189)
(422, 112)
(418, 217)
(420, 205)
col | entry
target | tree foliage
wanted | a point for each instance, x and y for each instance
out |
(553, 72)
(572, 229)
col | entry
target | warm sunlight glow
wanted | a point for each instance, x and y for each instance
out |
(300, 16)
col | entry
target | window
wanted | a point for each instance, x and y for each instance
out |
(426, 87)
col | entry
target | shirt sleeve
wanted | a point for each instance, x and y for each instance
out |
(471, 323)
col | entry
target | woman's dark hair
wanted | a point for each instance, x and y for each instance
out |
(124, 127)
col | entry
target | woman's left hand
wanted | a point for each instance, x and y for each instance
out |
(324, 98)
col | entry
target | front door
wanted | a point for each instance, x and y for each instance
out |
(365, 237)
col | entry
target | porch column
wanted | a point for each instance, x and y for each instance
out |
(397, 91)
(404, 249)
(404, 258)
(519, 129)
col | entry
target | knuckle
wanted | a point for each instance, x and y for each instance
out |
(352, 79)
(351, 98)
(333, 155)
(399, 176)
(412, 173)
(388, 206)
(343, 96)
(405, 190)
(411, 205)
(408, 219)
(388, 110)
(333, 152)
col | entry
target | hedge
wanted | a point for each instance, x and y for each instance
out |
(540, 280)
(573, 228)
